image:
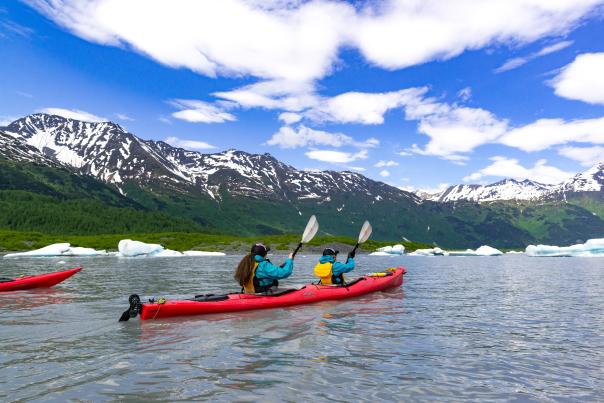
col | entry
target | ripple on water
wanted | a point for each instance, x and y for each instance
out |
(510, 328)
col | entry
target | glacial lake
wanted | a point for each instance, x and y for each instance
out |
(509, 328)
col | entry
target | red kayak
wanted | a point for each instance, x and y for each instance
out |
(38, 281)
(206, 304)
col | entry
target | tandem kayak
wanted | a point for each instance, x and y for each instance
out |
(38, 281)
(207, 304)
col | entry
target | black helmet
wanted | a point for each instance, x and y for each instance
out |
(260, 249)
(330, 252)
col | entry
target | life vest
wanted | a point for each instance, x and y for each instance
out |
(252, 286)
(325, 273)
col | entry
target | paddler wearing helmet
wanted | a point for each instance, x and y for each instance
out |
(256, 274)
(331, 271)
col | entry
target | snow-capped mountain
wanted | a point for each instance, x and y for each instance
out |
(591, 180)
(110, 153)
(507, 189)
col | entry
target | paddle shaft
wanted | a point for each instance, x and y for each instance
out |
(297, 249)
(355, 248)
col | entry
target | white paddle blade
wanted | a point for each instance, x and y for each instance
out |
(311, 229)
(365, 232)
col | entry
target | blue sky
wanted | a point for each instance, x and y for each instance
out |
(417, 94)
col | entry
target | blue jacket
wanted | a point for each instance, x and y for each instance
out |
(266, 272)
(338, 267)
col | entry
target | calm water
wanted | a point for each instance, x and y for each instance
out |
(498, 328)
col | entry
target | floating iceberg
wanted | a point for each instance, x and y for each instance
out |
(429, 252)
(591, 248)
(514, 252)
(130, 248)
(202, 253)
(484, 250)
(389, 250)
(58, 249)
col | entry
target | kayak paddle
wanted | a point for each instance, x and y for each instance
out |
(363, 235)
(309, 232)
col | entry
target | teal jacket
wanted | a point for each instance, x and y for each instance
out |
(266, 272)
(338, 267)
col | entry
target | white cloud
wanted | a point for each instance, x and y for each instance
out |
(384, 173)
(200, 112)
(290, 118)
(453, 129)
(358, 169)
(381, 164)
(362, 107)
(336, 157)
(503, 167)
(75, 114)
(516, 62)
(302, 136)
(188, 144)
(165, 120)
(545, 133)
(582, 79)
(123, 116)
(298, 41)
(406, 33)
(586, 156)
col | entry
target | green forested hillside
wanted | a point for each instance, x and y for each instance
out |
(55, 201)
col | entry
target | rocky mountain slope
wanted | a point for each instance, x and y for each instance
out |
(66, 176)
(592, 180)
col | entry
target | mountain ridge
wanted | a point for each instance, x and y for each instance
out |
(238, 193)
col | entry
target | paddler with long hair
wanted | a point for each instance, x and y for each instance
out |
(256, 274)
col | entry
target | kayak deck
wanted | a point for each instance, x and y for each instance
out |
(244, 302)
(37, 281)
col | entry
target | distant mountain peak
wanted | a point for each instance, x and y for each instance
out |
(108, 152)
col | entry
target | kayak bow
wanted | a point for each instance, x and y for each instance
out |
(207, 304)
(37, 281)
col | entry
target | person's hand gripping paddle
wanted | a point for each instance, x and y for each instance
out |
(309, 233)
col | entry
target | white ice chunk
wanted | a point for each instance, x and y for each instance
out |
(56, 249)
(429, 252)
(381, 254)
(484, 250)
(202, 253)
(130, 248)
(79, 251)
(167, 253)
(591, 248)
(390, 250)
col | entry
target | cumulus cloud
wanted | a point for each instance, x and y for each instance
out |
(381, 164)
(453, 129)
(545, 133)
(299, 41)
(195, 111)
(188, 144)
(290, 118)
(302, 136)
(503, 167)
(384, 173)
(516, 62)
(338, 157)
(362, 107)
(586, 156)
(75, 114)
(582, 79)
